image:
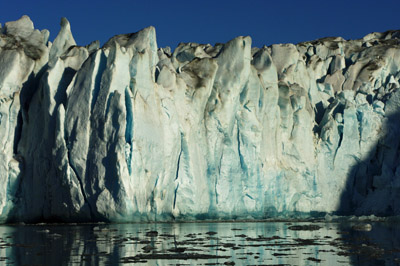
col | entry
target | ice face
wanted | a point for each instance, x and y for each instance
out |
(132, 132)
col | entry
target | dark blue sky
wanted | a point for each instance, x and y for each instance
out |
(267, 22)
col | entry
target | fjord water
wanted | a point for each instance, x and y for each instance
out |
(216, 243)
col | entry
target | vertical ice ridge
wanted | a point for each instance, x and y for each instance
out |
(82, 189)
(100, 68)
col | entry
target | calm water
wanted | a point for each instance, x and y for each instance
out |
(255, 243)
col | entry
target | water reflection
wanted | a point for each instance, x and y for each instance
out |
(199, 244)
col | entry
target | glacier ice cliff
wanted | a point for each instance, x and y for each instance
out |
(132, 132)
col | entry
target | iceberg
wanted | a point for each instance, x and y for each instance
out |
(133, 132)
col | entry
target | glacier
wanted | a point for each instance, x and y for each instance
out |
(132, 132)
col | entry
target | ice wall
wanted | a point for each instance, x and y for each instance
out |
(132, 132)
